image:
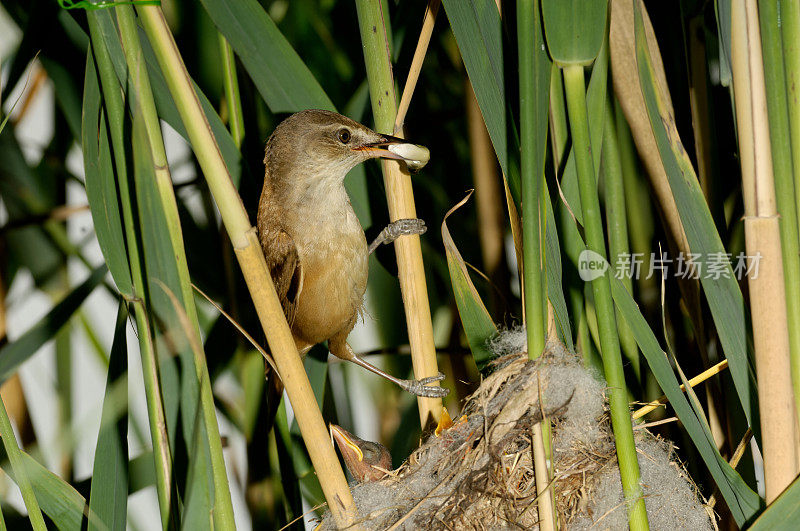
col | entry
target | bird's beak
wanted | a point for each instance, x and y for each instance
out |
(391, 147)
(380, 149)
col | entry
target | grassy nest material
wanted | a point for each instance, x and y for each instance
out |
(479, 473)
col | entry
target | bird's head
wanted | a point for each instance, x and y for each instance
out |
(366, 460)
(321, 144)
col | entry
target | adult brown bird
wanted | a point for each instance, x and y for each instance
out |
(366, 460)
(315, 248)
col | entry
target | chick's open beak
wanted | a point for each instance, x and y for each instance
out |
(391, 147)
(366, 461)
(346, 443)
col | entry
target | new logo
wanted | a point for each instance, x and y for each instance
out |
(591, 265)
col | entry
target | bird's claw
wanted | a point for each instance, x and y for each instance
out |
(395, 229)
(421, 387)
(403, 227)
(431, 379)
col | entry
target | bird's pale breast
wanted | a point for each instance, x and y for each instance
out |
(334, 259)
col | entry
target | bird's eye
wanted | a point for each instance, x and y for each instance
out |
(343, 135)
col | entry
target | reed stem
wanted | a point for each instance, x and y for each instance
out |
(762, 236)
(532, 148)
(114, 105)
(400, 197)
(601, 288)
(618, 245)
(784, 177)
(790, 34)
(145, 104)
(534, 91)
(251, 259)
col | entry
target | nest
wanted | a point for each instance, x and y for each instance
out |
(479, 472)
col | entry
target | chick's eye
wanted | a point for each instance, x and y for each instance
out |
(343, 135)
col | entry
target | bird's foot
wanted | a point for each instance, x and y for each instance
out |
(421, 387)
(404, 226)
(401, 227)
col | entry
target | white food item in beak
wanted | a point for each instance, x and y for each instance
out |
(415, 156)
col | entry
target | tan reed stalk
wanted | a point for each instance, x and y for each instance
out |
(702, 377)
(762, 237)
(251, 259)
(416, 63)
(400, 195)
(542, 475)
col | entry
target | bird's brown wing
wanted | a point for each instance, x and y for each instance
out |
(284, 267)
